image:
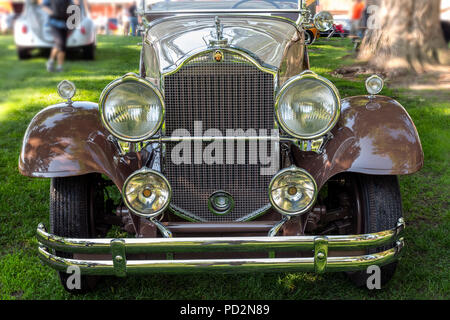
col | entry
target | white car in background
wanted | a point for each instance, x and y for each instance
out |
(32, 31)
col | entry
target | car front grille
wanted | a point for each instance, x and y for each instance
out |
(231, 94)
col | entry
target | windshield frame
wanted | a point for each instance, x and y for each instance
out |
(142, 10)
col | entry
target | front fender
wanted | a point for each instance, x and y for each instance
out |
(69, 140)
(372, 136)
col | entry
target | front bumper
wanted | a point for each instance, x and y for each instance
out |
(321, 246)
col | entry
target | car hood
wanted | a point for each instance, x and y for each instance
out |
(270, 40)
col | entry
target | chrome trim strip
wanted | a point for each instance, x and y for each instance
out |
(332, 264)
(230, 49)
(184, 214)
(224, 14)
(193, 218)
(222, 138)
(221, 11)
(255, 214)
(274, 230)
(208, 244)
(166, 233)
(315, 145)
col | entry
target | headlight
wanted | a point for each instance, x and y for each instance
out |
(323, 21)
(131, 108)
(308, 106)
(66, 89)
(374, 84)
(147, 193)
(292, 191)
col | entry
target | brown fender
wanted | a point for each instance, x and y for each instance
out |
(373, 136)
(69, 140)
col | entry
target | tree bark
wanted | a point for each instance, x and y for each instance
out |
(409, 37)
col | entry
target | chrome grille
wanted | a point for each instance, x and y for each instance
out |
(232, 94)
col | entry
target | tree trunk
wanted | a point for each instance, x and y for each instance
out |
(408, 38)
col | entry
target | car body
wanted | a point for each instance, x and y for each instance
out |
(32, 31)
(329, 200)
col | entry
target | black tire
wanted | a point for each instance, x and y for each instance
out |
(89, 52)
(70, 216)
(309, 37)
(382, 207)
(23, 53)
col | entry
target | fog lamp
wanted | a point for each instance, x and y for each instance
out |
(292, 191)
(374, 84)
(147, 193)
(66, 89)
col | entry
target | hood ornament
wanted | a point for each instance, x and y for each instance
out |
(217, 38)
(219, 29)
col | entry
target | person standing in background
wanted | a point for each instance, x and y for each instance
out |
(355, 16)
(133, 18)
(57, 9)
(125, 20)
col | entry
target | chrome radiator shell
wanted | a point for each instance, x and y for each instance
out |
(233, 93)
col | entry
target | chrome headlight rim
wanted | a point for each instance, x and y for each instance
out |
(371, 78)
(321, 15)
(146, 170)
(293, 169)
(130, 77)
(308, 75)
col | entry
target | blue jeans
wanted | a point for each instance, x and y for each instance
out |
(133, 24)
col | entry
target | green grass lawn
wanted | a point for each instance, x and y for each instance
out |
(26, 88)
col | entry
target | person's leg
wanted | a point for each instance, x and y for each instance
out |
(62, 49)
(133, 22)
(54, 52)
(61, 56)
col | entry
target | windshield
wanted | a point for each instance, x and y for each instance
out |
(210, 6)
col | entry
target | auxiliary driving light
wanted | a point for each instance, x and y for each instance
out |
(374, 84)
(66, 89)
(292, 191)
(147, 193)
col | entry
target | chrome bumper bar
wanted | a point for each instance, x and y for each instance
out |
(320, 245)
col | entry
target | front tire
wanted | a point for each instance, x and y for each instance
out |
(381, 208)
(309, 37)
(23, 53)
(89, 52)
(71, 215)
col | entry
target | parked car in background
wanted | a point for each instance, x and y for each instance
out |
(230, 154)
(112, 26)
(6, 22)
(341, 27)
(32, 31)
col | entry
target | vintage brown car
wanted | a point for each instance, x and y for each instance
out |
(229, 153)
